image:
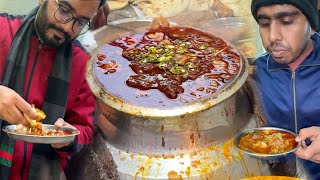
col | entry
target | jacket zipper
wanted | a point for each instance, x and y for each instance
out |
(26, 97)
(294, 101)
(295, 114)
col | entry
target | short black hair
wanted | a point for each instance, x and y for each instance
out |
(102, 3)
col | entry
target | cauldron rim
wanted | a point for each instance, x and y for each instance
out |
(189, 108)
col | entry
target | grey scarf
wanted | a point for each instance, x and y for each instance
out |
(45, 161)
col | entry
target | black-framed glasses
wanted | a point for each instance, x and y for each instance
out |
(63, 16)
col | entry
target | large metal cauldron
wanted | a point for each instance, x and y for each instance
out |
(190, 142)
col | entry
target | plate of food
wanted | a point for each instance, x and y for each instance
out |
(47, 134)
(266, 142)
(36, 132)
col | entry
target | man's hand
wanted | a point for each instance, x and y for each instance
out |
(61, 123)
(101, 18)
(12, 107)
(311, 152)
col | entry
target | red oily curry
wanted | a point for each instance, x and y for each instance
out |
(175, 64)
(268, 142)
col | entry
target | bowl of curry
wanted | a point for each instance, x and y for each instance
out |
(266, 142)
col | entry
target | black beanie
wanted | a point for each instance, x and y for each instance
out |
(307, 7)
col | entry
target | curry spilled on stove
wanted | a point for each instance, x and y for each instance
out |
(267, 142)
(182, 63)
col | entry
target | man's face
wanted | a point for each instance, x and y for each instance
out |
(54, 33)
(285, 32)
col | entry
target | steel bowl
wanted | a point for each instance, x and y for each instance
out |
(239, 135)
(40, 139)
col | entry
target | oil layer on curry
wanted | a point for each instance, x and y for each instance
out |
(175, 64)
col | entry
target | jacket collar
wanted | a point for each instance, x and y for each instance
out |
(313, 59)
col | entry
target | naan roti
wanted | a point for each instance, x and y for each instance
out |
(164, 8)
(171, 8)
(117, 4)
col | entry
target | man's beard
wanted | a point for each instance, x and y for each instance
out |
(42, 26)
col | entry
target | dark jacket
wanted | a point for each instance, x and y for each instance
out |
(289, 99)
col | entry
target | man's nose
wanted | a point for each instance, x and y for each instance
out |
(275, 33)
(67, 27)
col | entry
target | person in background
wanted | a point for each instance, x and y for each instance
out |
(42, 64)
(287, 74)
(101, 18)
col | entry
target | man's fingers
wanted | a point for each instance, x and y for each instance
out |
(60, 145)
(59, 123)
(26, 108)
(12, 107)
(302, 154)
(316, 158)
(17, 116)
(305, 133)
(11, 118)
(310, 151)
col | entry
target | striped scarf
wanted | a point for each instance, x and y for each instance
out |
(44, 159)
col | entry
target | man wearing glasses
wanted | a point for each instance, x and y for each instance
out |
(41, 64)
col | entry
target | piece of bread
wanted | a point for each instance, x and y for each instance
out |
(35, 122)
(32, 122)
(239, 7)
(164, 8)
(200, 5)
(117, 4)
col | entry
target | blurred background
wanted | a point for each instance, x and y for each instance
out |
(229, 19)
(17, 6)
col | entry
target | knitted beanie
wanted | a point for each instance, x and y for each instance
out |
(307, 7)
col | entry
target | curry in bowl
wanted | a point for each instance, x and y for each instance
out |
(266, 141)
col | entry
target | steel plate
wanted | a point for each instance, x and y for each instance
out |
(40, 139)
(259, 155)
